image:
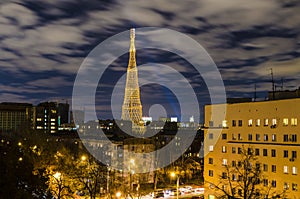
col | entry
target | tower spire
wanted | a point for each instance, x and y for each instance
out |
(132, 107)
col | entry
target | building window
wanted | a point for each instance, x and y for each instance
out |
(210, 160)
(265, 152)
(274, 168)
(273, 183)
(239, 150)
(256, 151)
(240, 123)
(294, 170)
(233, 123)
(257, 136)
(265, 182)
(258, 122)
(249, 137)
(239, 137)
(294, 187)
(294, 121)
(211, 123)
(274, 137)
(274, 122)
(224, 136)
(265, 167)
(294, 154)
(211, 148)
(234, 177)
(233, 163)
(285, 121)
(224, 162)
(266, 122)
(211, 173)
(210, 136)
(233, 137)
(266, 137)
(224, 124)
(285, 137)
(250, 122)
(273, 153)
(286, 186)
(285, 153)
(233, 150)
(224, 149)
(285, 169)
(224, 175)
(294, 138)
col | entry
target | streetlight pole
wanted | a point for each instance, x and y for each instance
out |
(173, 174)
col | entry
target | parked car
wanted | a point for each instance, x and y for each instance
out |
(173, 192)
(159, 193)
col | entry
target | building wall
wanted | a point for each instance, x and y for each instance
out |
(15, 116)
(274, 126)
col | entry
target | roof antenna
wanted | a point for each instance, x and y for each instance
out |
(273, 84)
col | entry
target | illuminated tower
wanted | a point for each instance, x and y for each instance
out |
(132, 107)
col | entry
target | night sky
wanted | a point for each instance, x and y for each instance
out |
(44, 42)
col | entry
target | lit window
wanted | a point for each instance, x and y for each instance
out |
(285, 121)
(52, 120)
(285, 169)
(250, 122)
(274, 122)
(52, 127)
(233, 137)
(286, 186)
(266, 122)
(274, 137)
(211, 148)
(294, 121)
(258, 122)
(39, 119)
(224, 162)
(294, 170)
(294, 187)
(224, 149)
(266, 137)
(39, 127)
(224, 124)
(239, 137)
(234, 177)
(211, 173)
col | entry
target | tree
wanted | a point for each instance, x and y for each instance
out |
(243, 179)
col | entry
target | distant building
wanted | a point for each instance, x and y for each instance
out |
(15, 116)
(46, 117)
(79, 114)
(63, 113)
(269, 129)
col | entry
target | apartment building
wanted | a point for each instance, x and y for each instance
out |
(270, 129)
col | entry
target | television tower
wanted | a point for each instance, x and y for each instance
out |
(132, 107)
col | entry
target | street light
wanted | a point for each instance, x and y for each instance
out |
(173, 175)
(118, 194)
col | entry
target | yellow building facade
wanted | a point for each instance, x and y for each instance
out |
(271, 129)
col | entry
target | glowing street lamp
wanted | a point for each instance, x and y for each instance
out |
(118, 194)
(83, 158)
(57, 175)
(173, 175)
